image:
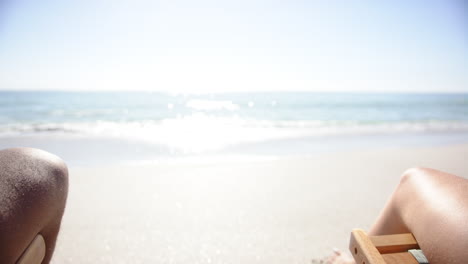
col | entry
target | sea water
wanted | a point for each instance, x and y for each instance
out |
(276, 123)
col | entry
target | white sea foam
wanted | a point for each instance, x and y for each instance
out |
(198, 133)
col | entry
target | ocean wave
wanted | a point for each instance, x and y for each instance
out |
(318, 127)
(198, 133)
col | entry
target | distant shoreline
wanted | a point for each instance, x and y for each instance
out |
(119, 127)
(215, 92)
(89, 150)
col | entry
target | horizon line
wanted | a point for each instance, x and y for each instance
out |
(230, 92)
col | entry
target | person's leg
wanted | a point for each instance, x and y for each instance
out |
(33, 192)
(432, 205)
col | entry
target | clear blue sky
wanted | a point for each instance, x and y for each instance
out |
(202, 46)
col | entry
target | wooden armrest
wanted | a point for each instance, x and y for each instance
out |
(386, 249)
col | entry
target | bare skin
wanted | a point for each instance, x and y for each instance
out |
(33, 192)
(431, 204)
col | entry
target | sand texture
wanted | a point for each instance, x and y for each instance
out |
(289, 210)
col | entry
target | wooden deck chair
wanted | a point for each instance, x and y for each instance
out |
(34, 253)
(386, 249)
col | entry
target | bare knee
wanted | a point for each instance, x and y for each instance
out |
(429, 199)
(33, 192)
(33, 176)
(419, 179)
(417, 187)
(427, 179)
(416, 172)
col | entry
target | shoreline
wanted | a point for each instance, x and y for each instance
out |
(80, 150)
(288, 210)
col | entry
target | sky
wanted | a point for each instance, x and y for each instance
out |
(230, 46)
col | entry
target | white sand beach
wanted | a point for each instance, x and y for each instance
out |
(224, 132)
(288, 210)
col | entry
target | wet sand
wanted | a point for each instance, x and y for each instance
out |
(288, 210)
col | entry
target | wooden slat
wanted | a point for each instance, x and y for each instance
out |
(399, 258)
(394, 243)
(363, 250)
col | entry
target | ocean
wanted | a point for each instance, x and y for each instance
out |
(148, 126)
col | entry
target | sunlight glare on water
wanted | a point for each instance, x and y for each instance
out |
(196, 123)
(211, 105)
